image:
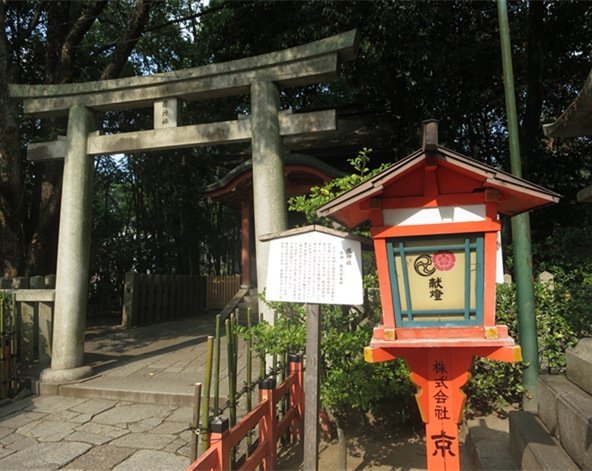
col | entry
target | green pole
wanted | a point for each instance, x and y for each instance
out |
(527, 328)
(4, 375)
(217, 368)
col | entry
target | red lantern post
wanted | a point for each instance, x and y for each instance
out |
(435, 227)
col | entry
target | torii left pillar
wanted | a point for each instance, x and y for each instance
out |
(67, 362)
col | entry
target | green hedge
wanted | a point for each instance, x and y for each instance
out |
(563, 316)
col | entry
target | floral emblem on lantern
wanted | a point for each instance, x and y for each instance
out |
(444, 260)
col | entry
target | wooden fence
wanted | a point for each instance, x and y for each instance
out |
(149, 299)
(220, 290)
(222, 440)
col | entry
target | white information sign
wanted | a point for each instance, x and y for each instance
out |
(315, 267)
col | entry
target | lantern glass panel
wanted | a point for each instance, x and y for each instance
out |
(437, 281)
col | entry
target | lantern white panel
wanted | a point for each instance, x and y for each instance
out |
(315, 268)
(438, 215)
(499, 262)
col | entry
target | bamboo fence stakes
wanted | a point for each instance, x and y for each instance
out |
(205, 421)
(249, 379)
(195, 421)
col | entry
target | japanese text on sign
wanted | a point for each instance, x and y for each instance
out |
(443, 442)
(315, 268)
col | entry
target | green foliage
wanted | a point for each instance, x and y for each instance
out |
(567, 253)
(555, 327)
(564, 314)
(349, 384)
(288, 334)
(318, 196)
(350, 387)
(494, 383)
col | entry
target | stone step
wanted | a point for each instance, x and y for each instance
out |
(565, 409)
(251, 299)
(533, 447)
(487, 440)
(242, 317)
(253, 306)
(173, 393)
(579, 364)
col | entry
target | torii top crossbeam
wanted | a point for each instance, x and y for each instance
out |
(302, 65)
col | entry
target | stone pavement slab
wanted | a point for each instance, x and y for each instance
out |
(101, 458)
(111, 434)
(146, 459)
(44, 456)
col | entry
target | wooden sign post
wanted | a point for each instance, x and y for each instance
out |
(311, 387)
(314, 265)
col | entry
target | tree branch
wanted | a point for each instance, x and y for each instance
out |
(129, 38)
(30, 27)
(74, 37)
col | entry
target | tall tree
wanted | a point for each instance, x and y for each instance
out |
(433, 59)
(417, 60)
(56, 31)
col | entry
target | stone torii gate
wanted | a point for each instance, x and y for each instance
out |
(261, 76)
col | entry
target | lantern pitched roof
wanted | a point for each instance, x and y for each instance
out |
(456, 174)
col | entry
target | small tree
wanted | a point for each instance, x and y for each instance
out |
(350, 387)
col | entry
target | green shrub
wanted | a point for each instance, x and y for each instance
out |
(563, 316)
(350, 388)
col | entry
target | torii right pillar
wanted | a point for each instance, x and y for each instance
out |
(269, 187)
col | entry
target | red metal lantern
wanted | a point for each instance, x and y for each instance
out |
(434, 222)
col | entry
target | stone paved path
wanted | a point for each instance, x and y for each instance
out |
(53, 432)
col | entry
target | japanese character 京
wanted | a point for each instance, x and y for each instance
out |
(443, 444)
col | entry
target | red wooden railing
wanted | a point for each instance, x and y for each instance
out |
(222, 440)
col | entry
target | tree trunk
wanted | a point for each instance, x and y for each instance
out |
(129, 38)
(12, 187)
(12, 182)
(342, 448)
(28, 245)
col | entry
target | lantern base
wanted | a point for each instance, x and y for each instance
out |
(443, 336)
